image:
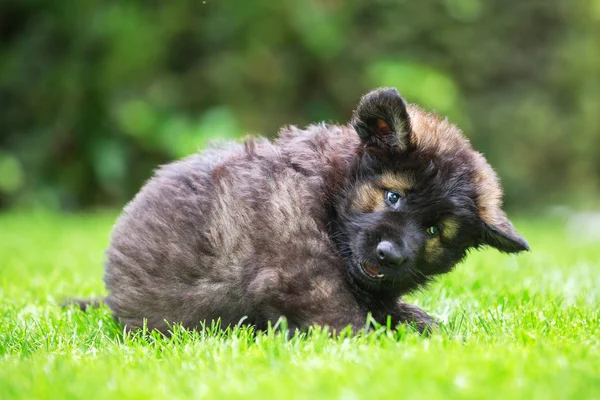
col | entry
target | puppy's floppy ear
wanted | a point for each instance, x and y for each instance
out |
(500, 233)
(381, 120)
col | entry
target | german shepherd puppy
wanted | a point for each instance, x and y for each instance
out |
(322, 226)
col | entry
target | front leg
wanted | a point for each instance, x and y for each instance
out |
(404, 313)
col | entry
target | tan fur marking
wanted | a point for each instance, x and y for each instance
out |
(401, 183)
(369, 196)
(433, 249)
(489, 193)
(368, 199)
(450, 228)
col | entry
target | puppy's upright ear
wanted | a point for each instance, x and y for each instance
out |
(501, 234)
(381, 120)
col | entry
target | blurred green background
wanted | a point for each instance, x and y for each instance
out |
(94, 94)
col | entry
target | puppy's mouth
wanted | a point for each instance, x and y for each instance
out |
(371, 270)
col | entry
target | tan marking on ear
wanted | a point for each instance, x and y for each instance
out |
(450, 227)
(433, 249)
(383, 127)
(368, 198)
(399, 182)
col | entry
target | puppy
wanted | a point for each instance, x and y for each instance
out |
(321, 226)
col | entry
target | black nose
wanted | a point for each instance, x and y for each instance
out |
(389, 253)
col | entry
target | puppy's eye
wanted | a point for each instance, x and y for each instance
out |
(392, 197)
(433, 230)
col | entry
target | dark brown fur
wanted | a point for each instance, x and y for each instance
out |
(263, 229)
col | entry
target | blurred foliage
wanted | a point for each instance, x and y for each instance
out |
(94, 94)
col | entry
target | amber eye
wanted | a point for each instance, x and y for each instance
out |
(433, 230)
(392, 197)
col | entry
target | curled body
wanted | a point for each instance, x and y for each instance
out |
(322, 226)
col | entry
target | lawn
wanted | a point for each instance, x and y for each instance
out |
(512, 327)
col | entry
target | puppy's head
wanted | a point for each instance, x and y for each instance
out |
(420, 197)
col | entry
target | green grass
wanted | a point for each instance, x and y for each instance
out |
(513, 327)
